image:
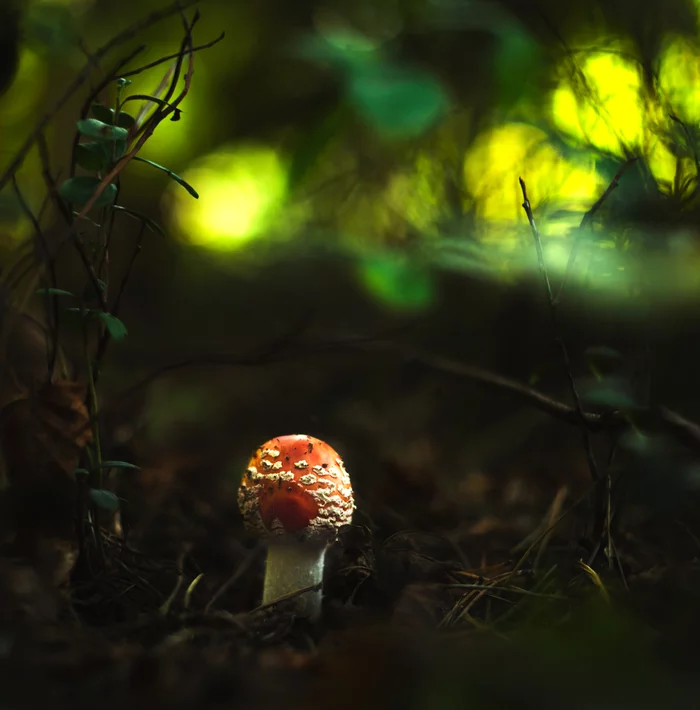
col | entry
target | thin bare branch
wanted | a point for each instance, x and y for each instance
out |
(162, 60)
(557, 334)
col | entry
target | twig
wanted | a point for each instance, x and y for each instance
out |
(106, 337)
(557, 334)
(149, 127)
(50, 182)
(516, 590)
(162, 60)
(68, 218)
(82, 77)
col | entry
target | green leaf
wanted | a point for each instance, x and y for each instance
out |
(170, 174)
(92, 155)
(119, 149)
(102, 113)
(116, 328)
(81, 472)
(119, 464)
(106, 500)
(125, 120)
(78, 190)
(92, 128)
(106, 115)
(396, 102)
(54, 292)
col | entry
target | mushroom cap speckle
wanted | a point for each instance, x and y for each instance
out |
(296, 485)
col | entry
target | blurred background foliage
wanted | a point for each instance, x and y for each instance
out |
(398, 124)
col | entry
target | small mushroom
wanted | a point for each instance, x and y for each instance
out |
(295, 495)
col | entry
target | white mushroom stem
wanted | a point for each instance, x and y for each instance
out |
(292, 565)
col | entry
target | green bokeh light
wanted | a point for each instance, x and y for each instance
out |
(396, 281)
(241, 190)
(500, 155)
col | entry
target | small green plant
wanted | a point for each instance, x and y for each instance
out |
(108, 136)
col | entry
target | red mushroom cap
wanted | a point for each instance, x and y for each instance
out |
(296, 484)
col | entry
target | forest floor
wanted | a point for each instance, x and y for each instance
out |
(476, 587)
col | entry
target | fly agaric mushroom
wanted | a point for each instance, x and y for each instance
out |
(295, 494)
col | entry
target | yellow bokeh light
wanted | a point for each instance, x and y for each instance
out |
(603, 107)
(240, 190)
(500, 156)
(679, 75)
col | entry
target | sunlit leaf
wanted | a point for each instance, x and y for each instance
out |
(92, 128)
(170, 174)
(78, 190)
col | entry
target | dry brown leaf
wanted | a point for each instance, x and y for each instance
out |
(50, 425)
